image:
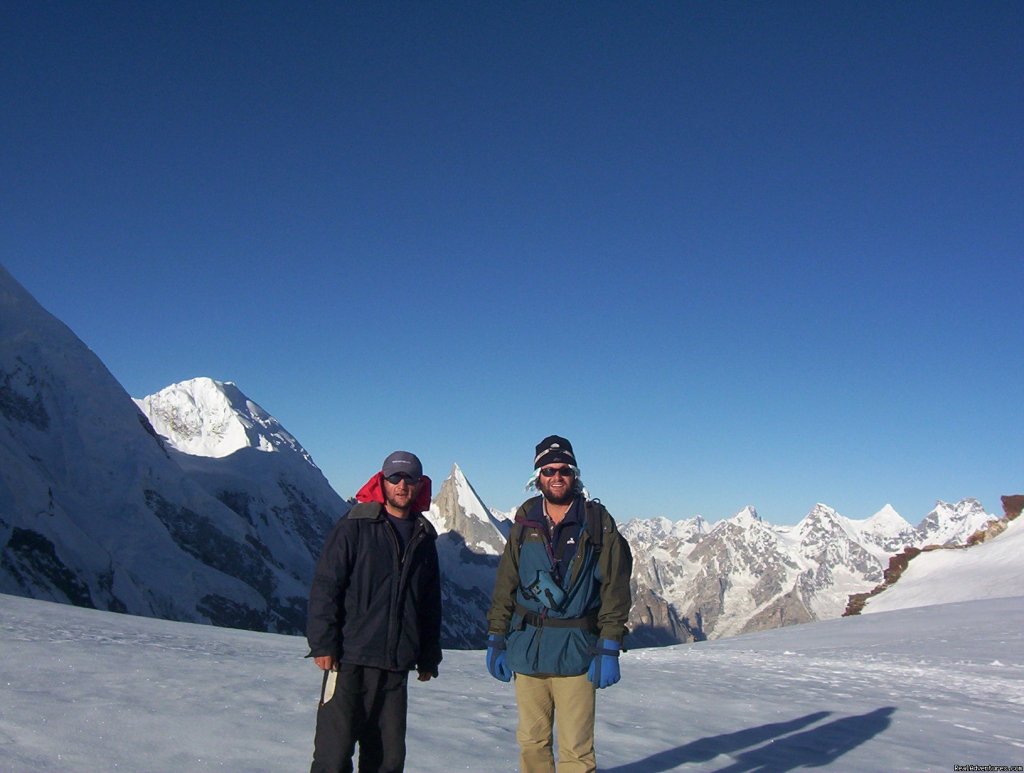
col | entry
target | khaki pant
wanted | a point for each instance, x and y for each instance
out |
(566, 701)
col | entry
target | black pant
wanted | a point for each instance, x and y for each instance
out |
(368, 707)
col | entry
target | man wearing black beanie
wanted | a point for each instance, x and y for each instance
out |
(558, 613)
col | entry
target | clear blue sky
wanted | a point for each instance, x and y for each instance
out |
(739, 253)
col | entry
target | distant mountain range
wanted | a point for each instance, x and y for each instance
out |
(744, 575)
(196, 504)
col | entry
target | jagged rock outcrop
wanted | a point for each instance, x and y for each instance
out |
(653, 622)
(1013, 504)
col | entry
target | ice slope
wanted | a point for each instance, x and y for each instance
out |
(97, 510)
(92, 509)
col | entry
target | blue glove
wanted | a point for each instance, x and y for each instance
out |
(604, 668)
(496, 665)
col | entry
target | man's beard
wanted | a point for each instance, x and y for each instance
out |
(565, 499)
(391, 501)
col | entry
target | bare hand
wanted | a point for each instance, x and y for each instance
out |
(424, 676)
(324, 662)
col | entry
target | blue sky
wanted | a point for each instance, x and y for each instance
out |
(738, 253)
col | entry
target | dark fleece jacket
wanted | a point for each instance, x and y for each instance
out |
(370, 607)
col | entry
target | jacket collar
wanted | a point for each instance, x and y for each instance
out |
(535, 512)
(374, 511)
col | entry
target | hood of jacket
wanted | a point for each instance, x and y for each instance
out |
(373, 491)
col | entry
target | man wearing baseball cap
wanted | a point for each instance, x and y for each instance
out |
(558, 613)
(374, 616)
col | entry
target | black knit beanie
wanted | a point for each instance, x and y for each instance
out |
(554, 449)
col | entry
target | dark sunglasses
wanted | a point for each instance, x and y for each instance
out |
(394, 478)
(550, 472)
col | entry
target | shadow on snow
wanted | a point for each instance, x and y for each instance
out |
(776, 750)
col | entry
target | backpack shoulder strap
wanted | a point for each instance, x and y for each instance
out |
(595, 522)
(517, 534)
(522, 521)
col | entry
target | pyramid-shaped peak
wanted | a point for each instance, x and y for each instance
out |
(821, 513)
(888, 515)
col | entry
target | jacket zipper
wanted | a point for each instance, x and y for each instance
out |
(402, 564)
(392, 651)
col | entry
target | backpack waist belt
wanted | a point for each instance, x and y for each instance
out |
(539, 621)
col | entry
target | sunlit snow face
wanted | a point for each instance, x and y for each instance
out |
(400, 496)
(557, 482)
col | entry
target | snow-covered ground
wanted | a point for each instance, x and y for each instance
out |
(919, 689)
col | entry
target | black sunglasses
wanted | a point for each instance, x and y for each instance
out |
(394, 478)
(550, 472)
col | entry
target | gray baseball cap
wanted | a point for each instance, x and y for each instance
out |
(402, 461)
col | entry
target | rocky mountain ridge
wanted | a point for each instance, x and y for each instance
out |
(743, 575)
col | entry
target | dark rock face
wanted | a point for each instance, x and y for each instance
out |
(654, 623)
(33, 560)
(1013, 504)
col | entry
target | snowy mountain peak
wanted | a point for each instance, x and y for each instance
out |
(951, 523)
(822, 519)
(888, 518)
(650, 531)
(458, 508)
(204, 417)
(691, 528)
(470, 540)
(887, 513)
(747, 516)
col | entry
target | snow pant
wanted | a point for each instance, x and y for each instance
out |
(363, 705)
(568, 702)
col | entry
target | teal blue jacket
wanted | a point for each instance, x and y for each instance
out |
(544, 641)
